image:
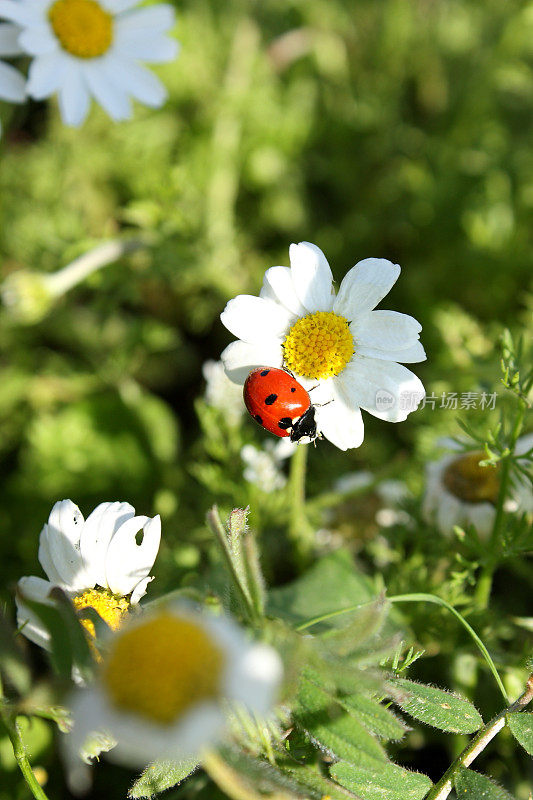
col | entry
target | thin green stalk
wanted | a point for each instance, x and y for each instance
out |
(13, 731)
(300, 531)
(425, 598)
(484, 585)
(442, 789)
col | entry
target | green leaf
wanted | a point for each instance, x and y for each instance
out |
(319, 713)
(374, 716)
(381, 781)
(331, 584)
(444, 710)
(316, 785)
(12, 665)
(469, 784)
(161, 775)
(521, 725)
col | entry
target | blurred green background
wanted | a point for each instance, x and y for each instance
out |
(399, 128)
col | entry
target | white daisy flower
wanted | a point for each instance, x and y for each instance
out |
(263, 464)
(222, 393)
(460, 492)
(12, 83)
(97, 562)
(164, 681)
(334, 342)
(93, 48)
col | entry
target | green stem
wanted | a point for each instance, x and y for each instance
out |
(424, 598)
(300, 531)
(442, 789)
(484, 585)
(15, 736)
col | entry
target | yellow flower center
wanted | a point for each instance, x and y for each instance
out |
(470, 482)
(112, 608)
(162, 667)
(319, 345)
(83, 28)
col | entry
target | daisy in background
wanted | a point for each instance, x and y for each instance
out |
(83, 49)
(12, 83)
(222, 393)
(461, 492)
(336, 343)
(97, 561)
(262, 465)
(165, 680)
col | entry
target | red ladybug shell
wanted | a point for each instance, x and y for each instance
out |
(275, 399)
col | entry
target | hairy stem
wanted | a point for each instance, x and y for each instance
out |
(484, 585)
(13, 731)
(442, 789)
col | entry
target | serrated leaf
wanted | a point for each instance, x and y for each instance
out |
(521, 726)
(331, 727)
(161, 775)
(333, 583)
(374, 716)
(381, 781)
(469, 784)
(442, 709)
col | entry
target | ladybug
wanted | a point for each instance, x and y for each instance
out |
(280, 404)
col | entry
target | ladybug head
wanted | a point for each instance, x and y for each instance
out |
(304, 430)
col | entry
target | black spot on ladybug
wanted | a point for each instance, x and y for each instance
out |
(270, 399)
(284, 423)
(258, 419)
(265, 372)
(293, 388)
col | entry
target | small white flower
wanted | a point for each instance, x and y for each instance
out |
(163, 683)
(460, 492)
(336, 343)
(352, 482)
(222, 393)
(12, 83)
(93, 48)
(262, 464)
(97, 562)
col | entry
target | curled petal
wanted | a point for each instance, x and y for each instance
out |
(311, 275)
(127, 562)
(100, 527)
(59, 546)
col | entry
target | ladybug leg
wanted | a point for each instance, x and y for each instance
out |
(321, 405)
(311, 389)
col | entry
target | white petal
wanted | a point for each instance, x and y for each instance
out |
(73, 95)
(117, 6)
(410, 355)
(254, 680)
(38, 40)
(364, 286)
(28, 622)
(12, 84)
(9, 35)
(240, 358)
(127, 562)
(278, 286)
(140, 590)
(158, 19)
(99, 79)
(254, 319)
(449, 512)
(151, 47)
(524, 444)
(100, 527)
(15, 11)
(136, 80)
(45, 75)
(311, 275)
(481, 515)
(385, 389)
(386, 330)
(59, 546)
(340, 420)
